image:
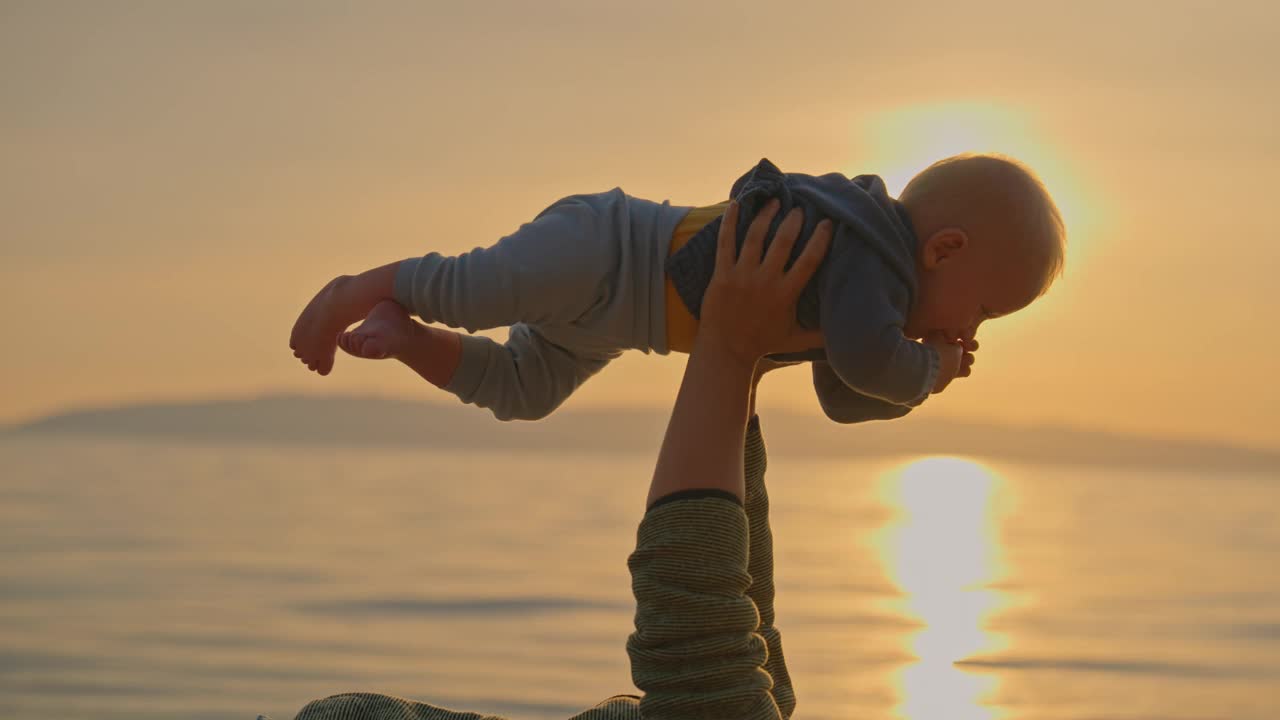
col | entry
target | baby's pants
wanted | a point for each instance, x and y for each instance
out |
(579, 284)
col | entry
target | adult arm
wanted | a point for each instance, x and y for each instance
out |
(760, 554)
(697, 650)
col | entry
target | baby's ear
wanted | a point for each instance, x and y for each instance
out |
(943, 245)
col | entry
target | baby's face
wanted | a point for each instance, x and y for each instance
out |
(961, 286)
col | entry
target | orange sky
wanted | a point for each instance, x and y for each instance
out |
(179, 179)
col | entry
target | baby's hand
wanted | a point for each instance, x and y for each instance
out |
(966, 360)
(950, 356)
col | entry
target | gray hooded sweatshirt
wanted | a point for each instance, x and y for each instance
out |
(859, 297)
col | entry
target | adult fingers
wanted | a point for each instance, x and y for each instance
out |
(810, 258)
(775, 258)
(726, 238)
(753, 247)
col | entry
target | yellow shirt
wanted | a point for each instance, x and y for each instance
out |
(681, 325)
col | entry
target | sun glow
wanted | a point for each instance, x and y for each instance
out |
(943, 553)
(902, 141)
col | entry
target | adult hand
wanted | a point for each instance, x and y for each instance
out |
(749, 308)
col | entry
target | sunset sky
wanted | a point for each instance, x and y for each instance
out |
(177, 179)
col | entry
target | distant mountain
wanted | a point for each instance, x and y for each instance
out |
(366, 421)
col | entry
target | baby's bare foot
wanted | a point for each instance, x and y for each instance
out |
(383, 333)
(315, 334)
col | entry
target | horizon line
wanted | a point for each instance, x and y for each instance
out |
(288, 394)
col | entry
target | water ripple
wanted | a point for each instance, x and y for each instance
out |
(458, 606)
(1130, 667)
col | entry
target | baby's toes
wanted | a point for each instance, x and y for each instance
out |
(324, 363)
(374, 349)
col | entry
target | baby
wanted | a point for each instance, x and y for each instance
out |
(897, 300)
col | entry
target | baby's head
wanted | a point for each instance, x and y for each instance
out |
(991, 240)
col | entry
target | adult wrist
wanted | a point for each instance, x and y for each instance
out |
(722, 354)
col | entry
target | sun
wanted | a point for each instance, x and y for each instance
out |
(897, 143)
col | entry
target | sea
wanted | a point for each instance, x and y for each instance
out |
(148, 579)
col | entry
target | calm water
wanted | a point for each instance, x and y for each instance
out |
(158, 581)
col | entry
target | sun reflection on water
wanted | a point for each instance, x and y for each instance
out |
(942, 550)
